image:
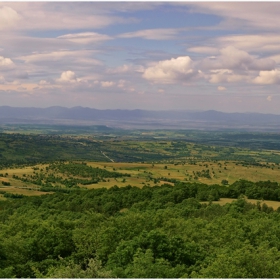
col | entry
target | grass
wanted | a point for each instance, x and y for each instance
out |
(269, 203)
(23, 191)
(180, 172)
(144, 174)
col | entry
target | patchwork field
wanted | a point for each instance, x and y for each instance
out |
(141, 158)
(22, 180)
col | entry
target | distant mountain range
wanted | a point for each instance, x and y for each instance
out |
(138, 118)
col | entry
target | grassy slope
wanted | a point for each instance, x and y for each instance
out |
(141, 174)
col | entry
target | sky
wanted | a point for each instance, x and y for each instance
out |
(221, 56)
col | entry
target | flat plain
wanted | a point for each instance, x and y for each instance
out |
(146, 158)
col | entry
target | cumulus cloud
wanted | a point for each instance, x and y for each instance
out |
(236, 59)
(268, 77)
(234, 65)
(85, 37)
(5, 61)
(67, 77)
(170, 71)
(225, 75)
(8, 17)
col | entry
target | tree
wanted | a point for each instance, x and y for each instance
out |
(69, 269)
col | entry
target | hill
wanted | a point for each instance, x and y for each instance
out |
(139, 118)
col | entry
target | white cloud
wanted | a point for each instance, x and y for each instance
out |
(236, 59)
(8, 17)
(125, 86)
(225, 75)
(269, 98)
(52, 63)
(85, 37)
(268, 77)
(260, 15)
(106, 84)
(152, 34)
(204, 50)
(276, 58)
(5, 61)
(252, 42)
(63, 16)
(43, 83)
(67, 77)
(170, 71)
(220, 88)
(58, 55)
(121, 69)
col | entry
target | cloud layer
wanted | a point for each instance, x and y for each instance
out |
(140, 55)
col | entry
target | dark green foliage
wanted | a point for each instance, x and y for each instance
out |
(13, 195)
(260, 190)
(154, 232)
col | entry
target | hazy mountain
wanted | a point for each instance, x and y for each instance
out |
(138, 118)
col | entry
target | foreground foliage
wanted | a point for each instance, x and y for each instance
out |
(154, 232)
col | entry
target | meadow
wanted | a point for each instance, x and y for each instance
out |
(149, 174)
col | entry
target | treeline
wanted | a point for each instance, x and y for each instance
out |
(153, 232)
(256, 190)
(83, 170)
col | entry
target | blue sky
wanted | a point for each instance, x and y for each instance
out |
(141, 55)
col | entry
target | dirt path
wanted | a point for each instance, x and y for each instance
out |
(106, 156)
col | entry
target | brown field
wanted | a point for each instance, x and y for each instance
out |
(181, 172)
(26, 192)
(273, 204)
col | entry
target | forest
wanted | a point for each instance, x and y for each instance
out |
(153, 232)
(67, 211)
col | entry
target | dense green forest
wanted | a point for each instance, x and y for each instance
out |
(154, 232)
